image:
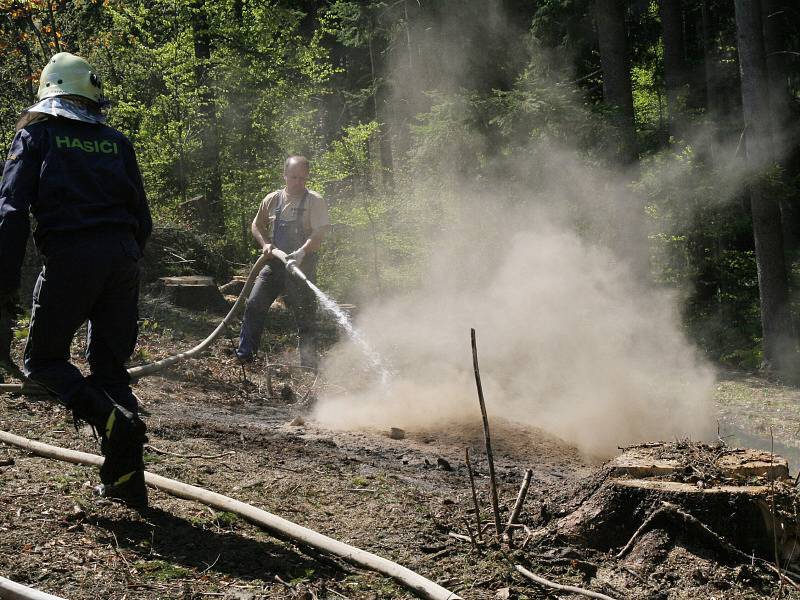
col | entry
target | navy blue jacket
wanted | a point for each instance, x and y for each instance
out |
(75, 178)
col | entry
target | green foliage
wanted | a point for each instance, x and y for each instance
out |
(461, 102)
(161, 570)
(704, 248)
(306, 576)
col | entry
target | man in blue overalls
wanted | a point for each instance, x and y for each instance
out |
(80, 180)
(295, 220)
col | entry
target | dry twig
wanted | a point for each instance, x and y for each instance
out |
(557, 586)
(487, 437)
(474, 494)
(206, 456)
(523, 492)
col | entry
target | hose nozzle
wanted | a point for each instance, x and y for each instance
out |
(293, 269)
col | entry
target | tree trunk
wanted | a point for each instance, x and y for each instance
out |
(710, 62)
(613, 43)
(210, 209)
(676, 72)
(379, 97)
(773, 14)
(779, 340)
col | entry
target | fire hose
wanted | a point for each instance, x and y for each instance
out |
(10, 590)
(274, 524)
(137, 373)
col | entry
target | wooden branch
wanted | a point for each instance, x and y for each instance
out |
(487, 437)
(641, 530)
(207, 456)
(562, 588)
(523, 492)
(472, 539)
(274, 524)
(474, 494)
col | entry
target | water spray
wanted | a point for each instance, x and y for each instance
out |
(342, 318)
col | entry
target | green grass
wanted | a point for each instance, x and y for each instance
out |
(161, 570)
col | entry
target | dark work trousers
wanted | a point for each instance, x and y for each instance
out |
(271, 282)
(96, 279)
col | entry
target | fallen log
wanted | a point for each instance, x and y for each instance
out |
(274, 524)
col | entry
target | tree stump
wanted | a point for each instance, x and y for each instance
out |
(743, 496)
(194, 292)
(234, 287)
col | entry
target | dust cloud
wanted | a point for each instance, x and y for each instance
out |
(568, 341)
(548, 261)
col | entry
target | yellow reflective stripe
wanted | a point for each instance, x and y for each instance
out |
(110, 423)
(124, 478)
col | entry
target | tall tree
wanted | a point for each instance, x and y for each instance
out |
(773, 15)
(211, 210)
(378, 49)
(779, 339)
(614, 61)
(710, 59)
(676, 72)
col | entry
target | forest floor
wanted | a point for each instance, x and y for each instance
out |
(399, 498)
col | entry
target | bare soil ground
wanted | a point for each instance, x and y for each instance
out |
(212, 427)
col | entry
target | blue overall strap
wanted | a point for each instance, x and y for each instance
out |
(301, 209)
(278, 210)
(289, 235)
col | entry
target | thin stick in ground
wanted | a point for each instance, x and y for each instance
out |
(772, 512)
(523, 492)
(487, 437)
(474, 494)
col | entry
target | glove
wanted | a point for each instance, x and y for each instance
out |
(297, 256)
(9, 305)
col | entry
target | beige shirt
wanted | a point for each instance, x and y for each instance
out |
(315, 214)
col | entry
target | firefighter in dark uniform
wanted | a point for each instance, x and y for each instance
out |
(80, 181)
(293, 219)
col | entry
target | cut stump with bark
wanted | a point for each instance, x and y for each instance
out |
(234, 287)
(195, 292)
(730, 491)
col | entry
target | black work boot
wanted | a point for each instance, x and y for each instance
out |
(122, 472)
(122, 436)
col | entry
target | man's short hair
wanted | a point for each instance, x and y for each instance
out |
(296, 159)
